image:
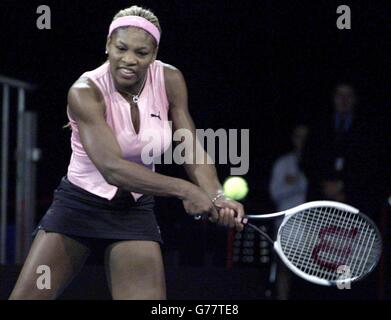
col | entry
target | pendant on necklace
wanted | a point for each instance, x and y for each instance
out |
(135, 99)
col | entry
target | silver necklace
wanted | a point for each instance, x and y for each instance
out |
(136, 97)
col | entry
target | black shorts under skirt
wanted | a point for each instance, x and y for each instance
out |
(79, 213)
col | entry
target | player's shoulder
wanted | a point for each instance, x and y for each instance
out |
(174, 81)
(84, 98)
(84, 89)
(171, 73)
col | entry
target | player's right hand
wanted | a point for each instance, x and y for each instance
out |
(197, 202)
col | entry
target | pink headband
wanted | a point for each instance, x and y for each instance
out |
(135, 21)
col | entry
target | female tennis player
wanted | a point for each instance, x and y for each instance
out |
(106, 198)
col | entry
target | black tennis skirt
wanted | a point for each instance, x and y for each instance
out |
(77, 212)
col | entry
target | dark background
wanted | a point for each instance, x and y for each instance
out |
(258, 65)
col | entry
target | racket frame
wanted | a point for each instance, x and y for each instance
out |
(288, 213)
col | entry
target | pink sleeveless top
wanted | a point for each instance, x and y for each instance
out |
(153, 139)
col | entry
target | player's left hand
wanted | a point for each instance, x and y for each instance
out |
(230, 212)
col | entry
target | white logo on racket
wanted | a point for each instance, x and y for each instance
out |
(343, 281)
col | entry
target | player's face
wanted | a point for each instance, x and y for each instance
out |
(131, 51)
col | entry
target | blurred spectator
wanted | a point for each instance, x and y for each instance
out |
(288, 185)
(288, 188)
(340, 158)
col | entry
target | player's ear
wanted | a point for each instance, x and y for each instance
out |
(108, 42)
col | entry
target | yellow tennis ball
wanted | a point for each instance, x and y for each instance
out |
(235, 188)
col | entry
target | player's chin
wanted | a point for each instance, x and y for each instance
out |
(125, 83)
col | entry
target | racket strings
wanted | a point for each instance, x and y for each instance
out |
(324, 220)
(318, 240)
(335, 257)
(303, 259)
(366, 253)
(329, 254)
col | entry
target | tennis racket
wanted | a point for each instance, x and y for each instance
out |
(325, 242)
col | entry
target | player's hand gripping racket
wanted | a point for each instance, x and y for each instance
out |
(325, 241)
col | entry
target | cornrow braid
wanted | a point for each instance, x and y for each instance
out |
(140, 12)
